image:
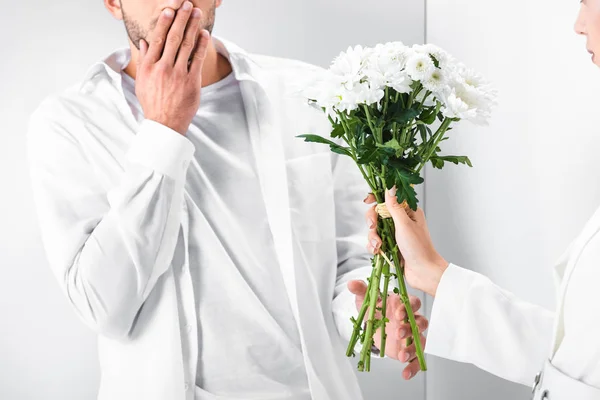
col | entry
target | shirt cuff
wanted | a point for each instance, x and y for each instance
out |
(447, 309)
(162, 149)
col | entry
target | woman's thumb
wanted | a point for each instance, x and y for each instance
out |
(396, 210)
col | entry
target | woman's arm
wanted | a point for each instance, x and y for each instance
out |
(475, 321)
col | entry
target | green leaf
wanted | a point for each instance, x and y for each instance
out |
(403, 115)
(438, 161)
(435, 61)
(367, 154)
(345, 151)
(393, 145)
(403, 179)
(316, 139)
(336, 148)
(423, 131)
(338, 131)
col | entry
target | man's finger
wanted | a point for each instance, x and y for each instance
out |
(159, 35)
(411, 370)
(143, 51)
(415, 304)
(176, 33)
(357, 288)
(405, 331)
(409, 353)
(199, 54)
(189, 40)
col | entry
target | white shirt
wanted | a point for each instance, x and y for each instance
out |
(245, 322)
(118, 217)
(477, 322)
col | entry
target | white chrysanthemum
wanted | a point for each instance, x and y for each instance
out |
(385, 65)
(348, 65)
(456, 107)
(466, 102)
(436, 81)
(443, 57)
(419, 66)
(366, 94)
(401, 83)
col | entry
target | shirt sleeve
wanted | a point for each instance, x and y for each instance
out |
(107, 246)
(474, 321)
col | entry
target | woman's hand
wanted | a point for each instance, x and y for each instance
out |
(424, 266)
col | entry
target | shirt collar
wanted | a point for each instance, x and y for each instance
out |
(111, 66)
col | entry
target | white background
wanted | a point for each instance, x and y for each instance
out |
(532, 188)
(535, 176)
(45, 351)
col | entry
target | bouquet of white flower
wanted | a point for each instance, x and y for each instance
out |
(390, 108)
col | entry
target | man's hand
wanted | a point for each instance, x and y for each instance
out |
(397, 330)
(167, 85)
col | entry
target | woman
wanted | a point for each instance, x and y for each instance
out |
(475, 321)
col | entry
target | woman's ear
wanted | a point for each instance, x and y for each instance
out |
(114, 7)
(218, 3)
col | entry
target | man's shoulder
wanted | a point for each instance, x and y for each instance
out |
(67, 111)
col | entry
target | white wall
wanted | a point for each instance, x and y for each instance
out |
(534, 181)
(46, 353)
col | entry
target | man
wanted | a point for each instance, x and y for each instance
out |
(206, 245)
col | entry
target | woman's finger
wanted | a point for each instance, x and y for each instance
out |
(374, 242)
(370, 199)
(371, 218)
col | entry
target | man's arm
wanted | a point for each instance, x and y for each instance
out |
(109, 248)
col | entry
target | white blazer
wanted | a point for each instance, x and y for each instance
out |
(477, 322)
(110, 196)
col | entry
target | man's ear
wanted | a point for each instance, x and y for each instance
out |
(114, 7)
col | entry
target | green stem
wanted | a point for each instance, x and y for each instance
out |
(385, 104)
(384, 295)
(416, 335)
(373, 298)
(348, 140)
(358, 323)
(437, 138)
(375, 132)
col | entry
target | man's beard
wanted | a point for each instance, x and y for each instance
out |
(136, 31)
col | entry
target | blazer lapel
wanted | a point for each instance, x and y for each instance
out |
(564, 270)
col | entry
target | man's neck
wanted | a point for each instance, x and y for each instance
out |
(215, 68)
